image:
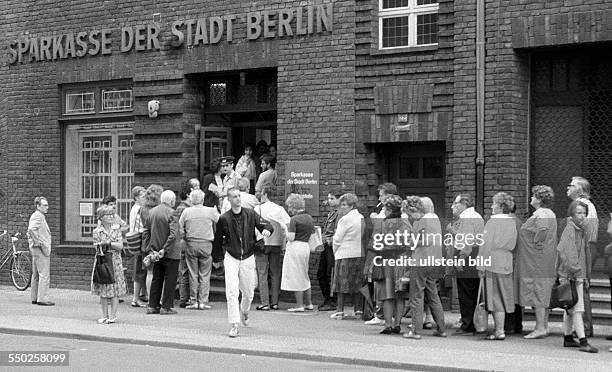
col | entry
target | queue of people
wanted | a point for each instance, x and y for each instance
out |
(263, 245)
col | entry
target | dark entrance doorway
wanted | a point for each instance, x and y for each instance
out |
(239, 109)
(571, 133)
(418, 169)
(572, 124)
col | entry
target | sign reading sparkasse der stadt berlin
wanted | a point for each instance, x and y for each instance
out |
(287, 22)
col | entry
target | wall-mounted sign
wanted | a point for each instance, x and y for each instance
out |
(277, 23)
(85, 209)
(302, 178)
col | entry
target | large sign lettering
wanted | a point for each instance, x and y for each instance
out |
(281, 23)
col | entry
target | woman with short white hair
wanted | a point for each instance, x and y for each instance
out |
(295, 264)
(196, 226)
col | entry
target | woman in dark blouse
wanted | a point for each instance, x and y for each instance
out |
(295, 264)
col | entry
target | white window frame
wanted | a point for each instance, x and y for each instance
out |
(411, 11)
(73, 183)
(81, 111)
(120, 109)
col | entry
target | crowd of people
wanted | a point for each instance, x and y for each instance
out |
(231, 221)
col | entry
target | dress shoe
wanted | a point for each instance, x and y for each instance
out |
(588, 349)
(34, 302)
(45, 303)
(151, 310)
(397, 330)
(326, 306)
(568, 343)
(387, 331)
(164, 311)
(465, 332)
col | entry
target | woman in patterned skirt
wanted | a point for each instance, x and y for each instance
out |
(108, 240)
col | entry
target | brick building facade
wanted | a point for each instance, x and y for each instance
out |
(343, 82)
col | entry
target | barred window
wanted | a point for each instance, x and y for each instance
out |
(100, 158)
(80, 103)
(116, 100)
(407, 23)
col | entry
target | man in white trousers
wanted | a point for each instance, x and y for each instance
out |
(235, 236)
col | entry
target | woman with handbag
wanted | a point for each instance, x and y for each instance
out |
(347, 246)
(572, 267)
(499, 241)
(388, 286)
(134, 237)
(294, 275)
(109, 243)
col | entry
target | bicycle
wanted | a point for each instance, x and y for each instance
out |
(21, 264)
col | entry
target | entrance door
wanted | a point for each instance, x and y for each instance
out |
(418, 169)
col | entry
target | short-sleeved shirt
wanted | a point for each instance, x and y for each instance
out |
(302, 225)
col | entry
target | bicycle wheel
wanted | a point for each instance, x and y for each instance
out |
(21, 271)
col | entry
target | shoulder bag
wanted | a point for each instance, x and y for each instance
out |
(481, 317)
(134, 238)
(316, 240)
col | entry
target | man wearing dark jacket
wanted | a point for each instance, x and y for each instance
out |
(235, 237)
(165, 240)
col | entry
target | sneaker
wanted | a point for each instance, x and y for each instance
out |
(164, 311)
(296, 309)
(204, 306)
(412, 335)
(111, 320)
(244, 319)
(375, 321)
(309, 307)
(588, 349)
(234, 331)
(337, 315)
(193, 306)
(102, 320)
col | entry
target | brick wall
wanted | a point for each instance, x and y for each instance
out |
(315, 95)
(404, 68)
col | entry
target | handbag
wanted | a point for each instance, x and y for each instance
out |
(316, 241)
(103, 270)
(564, 296)
(134, 238)
(481, 317)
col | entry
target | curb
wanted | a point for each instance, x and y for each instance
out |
(230, 350)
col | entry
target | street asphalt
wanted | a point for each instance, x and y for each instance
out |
(310, 336)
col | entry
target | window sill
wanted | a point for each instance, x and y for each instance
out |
(416, 49)
(82, 249)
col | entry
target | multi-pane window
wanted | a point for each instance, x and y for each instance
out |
(407, 23)
(116, 100)
(98, 100)
(99, 164)
(80, 103)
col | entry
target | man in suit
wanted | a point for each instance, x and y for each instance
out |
(39, 241)
(164, 240)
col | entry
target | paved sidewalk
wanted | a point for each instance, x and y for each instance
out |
(307, 336)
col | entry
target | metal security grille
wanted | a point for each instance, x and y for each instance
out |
(572, 125)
